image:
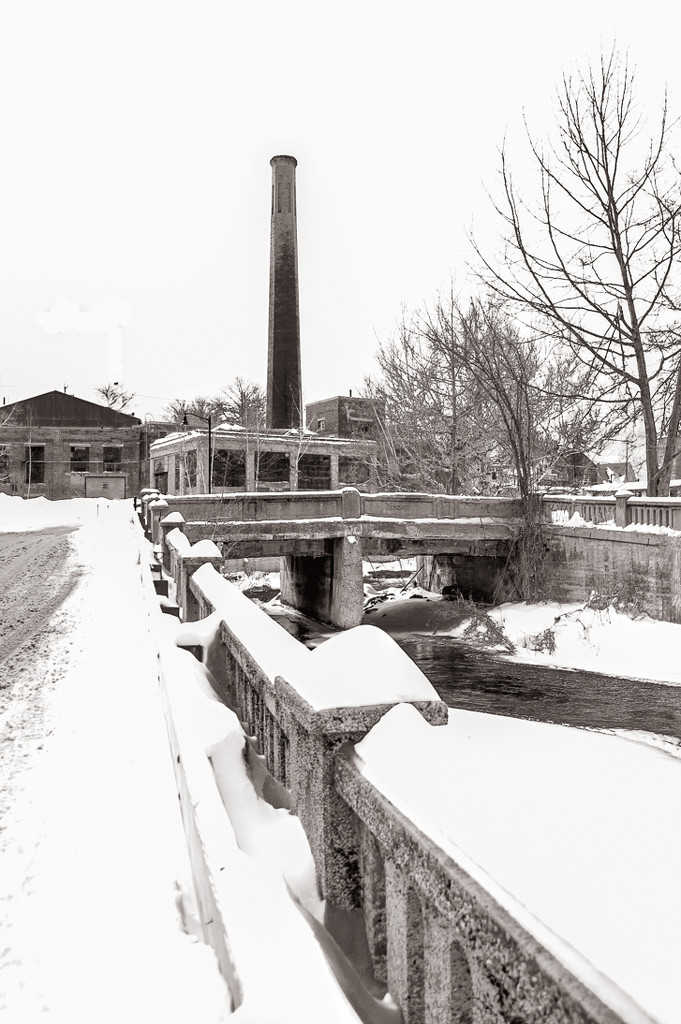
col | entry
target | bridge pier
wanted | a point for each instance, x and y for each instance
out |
(326, 587)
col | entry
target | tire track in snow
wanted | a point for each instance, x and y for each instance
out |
(38, 571)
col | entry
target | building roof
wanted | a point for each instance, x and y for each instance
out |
(57, 409)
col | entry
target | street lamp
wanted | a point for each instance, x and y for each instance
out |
(206, 419)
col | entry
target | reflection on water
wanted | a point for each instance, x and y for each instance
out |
(479, 681)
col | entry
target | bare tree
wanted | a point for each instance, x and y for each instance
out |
(593, 259)
(527, 391)
(467, 391)
(241, 402)
(426, 439)
(176, 410)
(115, 396)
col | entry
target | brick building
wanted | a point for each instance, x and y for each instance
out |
(61, 446)
(345, 416)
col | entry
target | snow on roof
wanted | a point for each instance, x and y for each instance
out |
(224, 425)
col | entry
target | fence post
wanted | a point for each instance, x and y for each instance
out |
(621, 511)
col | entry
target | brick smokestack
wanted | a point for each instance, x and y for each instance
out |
(284, 390)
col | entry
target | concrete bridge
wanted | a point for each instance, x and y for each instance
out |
(323, 536)
(624, 547)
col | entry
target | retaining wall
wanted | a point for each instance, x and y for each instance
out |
(635, 566)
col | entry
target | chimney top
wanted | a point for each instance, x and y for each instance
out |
(288, 159)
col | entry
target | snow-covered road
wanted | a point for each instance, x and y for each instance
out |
(93, 850)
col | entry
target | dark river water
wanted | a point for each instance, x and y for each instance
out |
(465, 677)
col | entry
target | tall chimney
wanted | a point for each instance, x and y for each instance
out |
(284, 390)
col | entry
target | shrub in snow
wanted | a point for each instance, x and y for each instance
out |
(482, 631)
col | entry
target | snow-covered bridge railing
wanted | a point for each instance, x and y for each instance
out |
(452, 944)
(347, 503)
(298, 726)
(623, 509)
(449, 943)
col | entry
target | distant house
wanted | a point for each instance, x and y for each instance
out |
(573, 470)
(61, 446)
(615, 473)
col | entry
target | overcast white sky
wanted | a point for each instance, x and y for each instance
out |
(136, 139)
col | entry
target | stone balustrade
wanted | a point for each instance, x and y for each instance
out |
(296, 726)
(441, 938)
(449, 943)
(347, 503)
(623, 509)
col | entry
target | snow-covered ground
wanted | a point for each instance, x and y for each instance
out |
(576, 830)
(597, 640)
(94, 861)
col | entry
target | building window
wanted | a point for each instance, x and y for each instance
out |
(4, 463)
(186, 466)
(80, 459)
(35, 464)
(229, 469)
(314, 472)
(112, 456)
(272, 468)
(321, 423)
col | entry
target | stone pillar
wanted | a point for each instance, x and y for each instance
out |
(250, 469)
(351, 503)
(292, 472)
(147, 495)
(284, 389)
(448, 983)
(327, 587)
(199, 554)
(373, 900)
(157, 509)
(173, 521)
(172, 476)
(621, 499)
(406, 969)
(334, 482)
(202, 468)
